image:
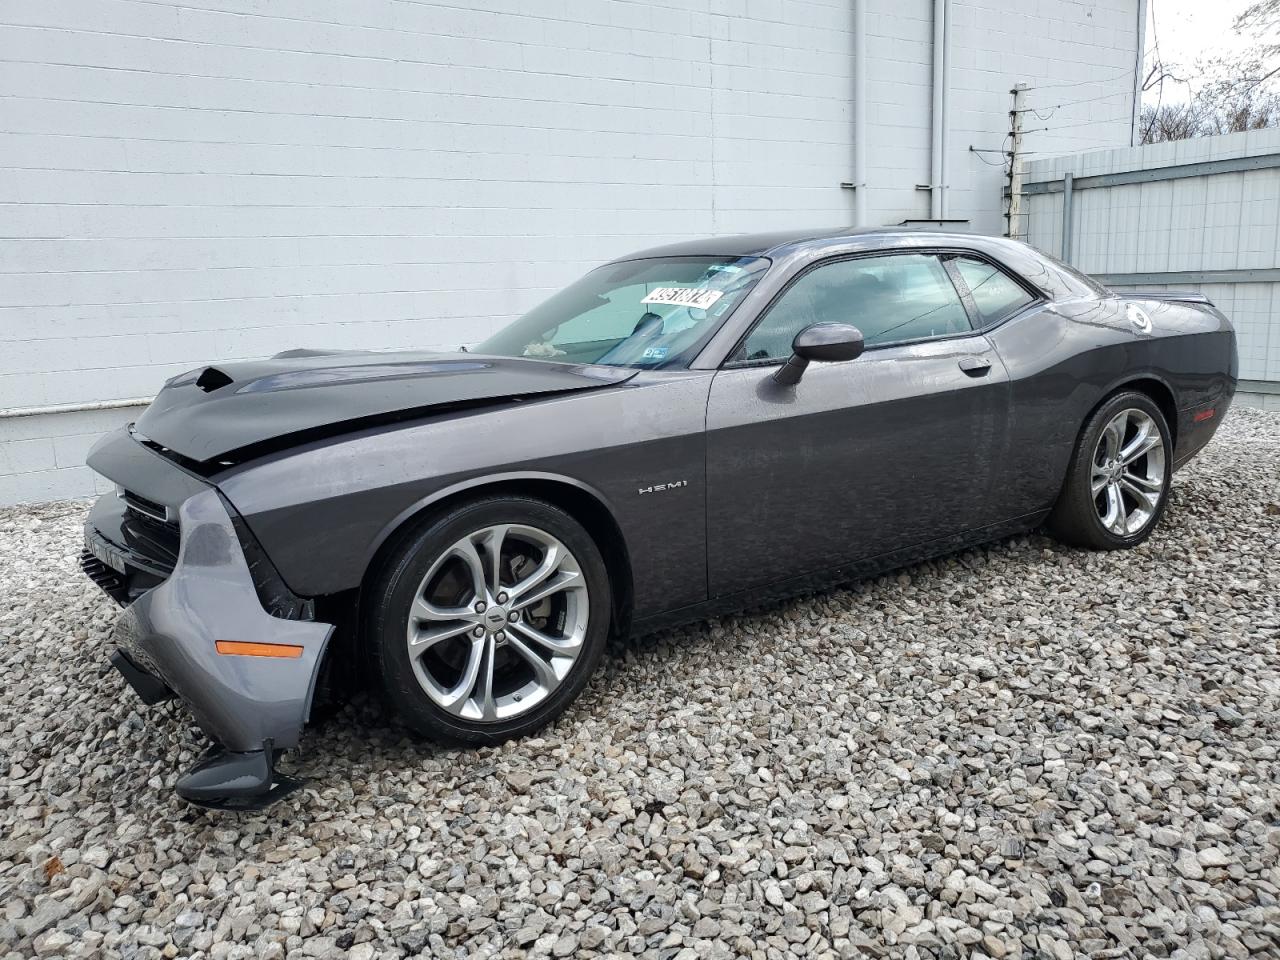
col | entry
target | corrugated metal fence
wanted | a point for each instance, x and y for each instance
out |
(1198, 214)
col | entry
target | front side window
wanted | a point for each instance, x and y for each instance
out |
(889, 298)
(995, 294)
(637, 313)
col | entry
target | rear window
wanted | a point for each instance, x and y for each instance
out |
(995, 293)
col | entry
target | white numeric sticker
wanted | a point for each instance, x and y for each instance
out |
(684, 297)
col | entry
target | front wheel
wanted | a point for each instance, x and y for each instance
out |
(1118, 481)
(488, 621)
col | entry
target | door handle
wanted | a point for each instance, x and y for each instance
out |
(976, 366)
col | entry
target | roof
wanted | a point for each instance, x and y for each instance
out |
(1053, 278)
(759, 244)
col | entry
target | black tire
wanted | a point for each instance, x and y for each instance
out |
(1075, 518)
(394, 589)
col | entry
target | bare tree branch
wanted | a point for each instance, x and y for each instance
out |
(1225, 95)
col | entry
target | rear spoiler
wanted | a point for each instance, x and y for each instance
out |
(1173, 296)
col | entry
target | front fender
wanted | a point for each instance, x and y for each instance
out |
(478, 483)
(322, 511)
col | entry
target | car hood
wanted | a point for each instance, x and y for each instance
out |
(224, 410)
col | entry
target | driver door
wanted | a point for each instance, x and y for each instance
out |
(859, 458)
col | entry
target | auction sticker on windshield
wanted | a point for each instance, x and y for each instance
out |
(683, 297)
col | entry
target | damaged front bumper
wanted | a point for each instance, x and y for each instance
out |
(198, 633)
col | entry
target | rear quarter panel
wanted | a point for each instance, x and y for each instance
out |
(1196, 344)
(1066, 358)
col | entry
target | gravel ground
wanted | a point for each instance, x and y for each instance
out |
(1023, 750)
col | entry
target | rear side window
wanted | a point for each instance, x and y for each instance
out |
(995, 294)
(889, 298)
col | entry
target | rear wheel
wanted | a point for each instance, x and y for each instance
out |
(488, 621)
(1118, 481)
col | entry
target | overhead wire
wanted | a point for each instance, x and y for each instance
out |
(989, 163)
(1159, 64)
(1080, 83)
(1003, 149)
(1073, 103)
(1072, 126)
(1044, 113)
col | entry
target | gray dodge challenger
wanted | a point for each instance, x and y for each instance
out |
(690, 430)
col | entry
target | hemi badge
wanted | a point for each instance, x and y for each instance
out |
(659, 487)
(1203, 415)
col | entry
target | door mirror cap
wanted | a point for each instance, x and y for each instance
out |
(825, 342)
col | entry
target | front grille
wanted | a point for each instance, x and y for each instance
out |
(150, 530)
(111, 582)
(144, 507)
(133, 549)
(153, 545)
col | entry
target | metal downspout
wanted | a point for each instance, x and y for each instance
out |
(1066, 217)
(860, 113)
(938, 108)
(944, 185)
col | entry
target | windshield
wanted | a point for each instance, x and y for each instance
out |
(638, 313)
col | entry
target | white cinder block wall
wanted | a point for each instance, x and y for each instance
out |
(224, 179)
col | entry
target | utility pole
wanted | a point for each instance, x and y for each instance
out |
(1014, 217)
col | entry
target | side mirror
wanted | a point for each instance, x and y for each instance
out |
(826, 342)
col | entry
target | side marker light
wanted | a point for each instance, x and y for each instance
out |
(241, 648)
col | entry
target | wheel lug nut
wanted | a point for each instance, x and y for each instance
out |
(478, 632)
(500, 637)
(513, 616)
(501, 598)
(479, 607)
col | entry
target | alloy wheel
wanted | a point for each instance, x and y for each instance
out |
(497, 622)
(1128, 475)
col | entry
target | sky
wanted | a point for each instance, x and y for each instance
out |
(1190, 30)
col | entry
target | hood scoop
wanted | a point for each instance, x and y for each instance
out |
(212, 379)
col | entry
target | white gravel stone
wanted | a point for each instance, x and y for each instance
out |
(1020, 751)
(1188, 865)
(1213, 857)
(52, 943)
